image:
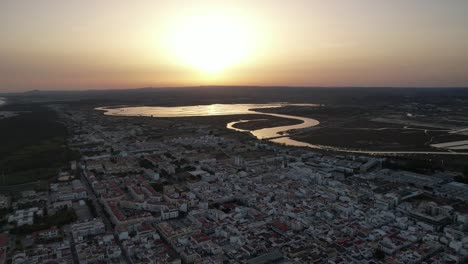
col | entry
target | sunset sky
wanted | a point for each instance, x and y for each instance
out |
(92, 44)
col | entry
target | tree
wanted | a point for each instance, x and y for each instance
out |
(92, 208)
(379, 254)
(463, 178)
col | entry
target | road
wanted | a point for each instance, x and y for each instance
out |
(100, 212)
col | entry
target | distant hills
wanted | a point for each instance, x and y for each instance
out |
(247, 94)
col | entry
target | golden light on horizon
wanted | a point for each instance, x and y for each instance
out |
(88, 44)
(211, 43)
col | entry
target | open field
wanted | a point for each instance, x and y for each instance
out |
(33, 145)
(391, 139)
(362, 128)
(415, 123)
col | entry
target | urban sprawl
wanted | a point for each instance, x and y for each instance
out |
(188, 193)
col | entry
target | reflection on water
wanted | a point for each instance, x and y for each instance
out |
(219, 109)
(195, 110)
(274, 134)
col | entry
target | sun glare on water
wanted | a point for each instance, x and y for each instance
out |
(211, 43)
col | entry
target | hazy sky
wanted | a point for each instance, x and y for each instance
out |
(87, 44)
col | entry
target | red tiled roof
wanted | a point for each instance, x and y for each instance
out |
(4, 240)
(280, 226)
(200, 237)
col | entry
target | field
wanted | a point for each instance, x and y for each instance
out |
(358, 127)
(375, 136)
(33, 145)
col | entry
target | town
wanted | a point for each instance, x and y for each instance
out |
(233, 132)
(208, 195)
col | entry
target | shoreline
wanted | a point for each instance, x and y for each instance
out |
(278, 134)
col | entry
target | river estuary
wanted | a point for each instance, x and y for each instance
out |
(279, 134)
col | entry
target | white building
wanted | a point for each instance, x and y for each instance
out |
(4, 201)
(88, 228)
(152, 175)
(24, 216)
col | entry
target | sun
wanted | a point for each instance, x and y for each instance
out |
(211, 43)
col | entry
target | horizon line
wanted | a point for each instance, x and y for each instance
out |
(234, 86)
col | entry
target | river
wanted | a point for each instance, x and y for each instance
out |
(274, 134)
